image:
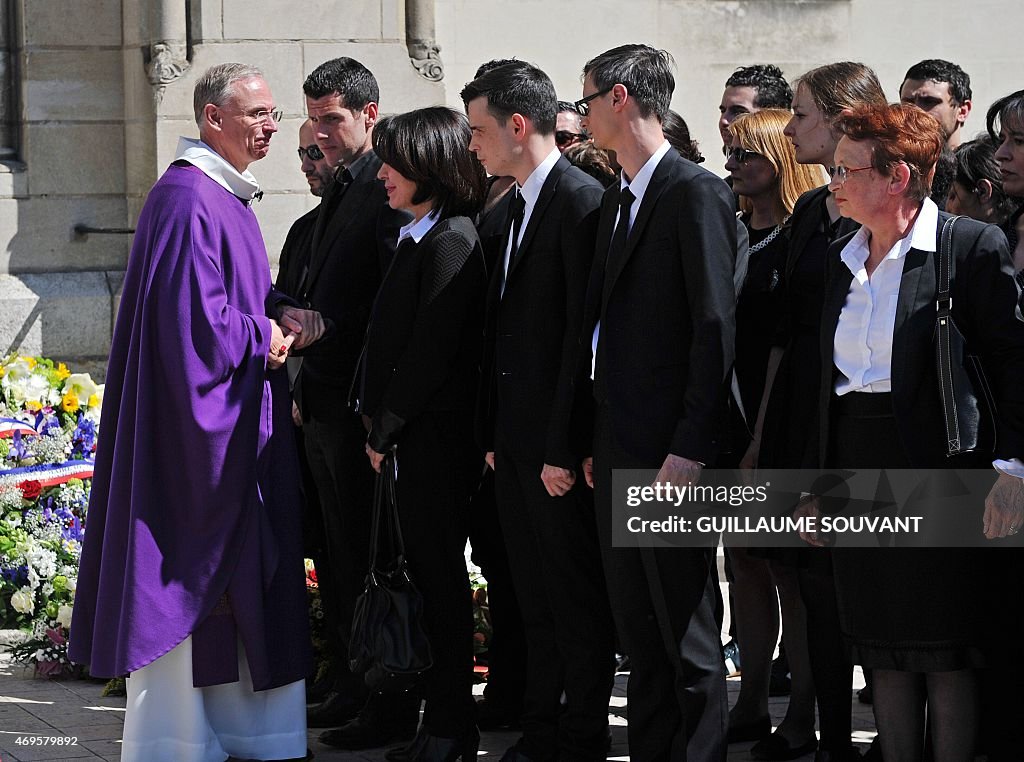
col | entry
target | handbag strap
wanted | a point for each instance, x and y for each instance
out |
(943, 328)
(385, 522)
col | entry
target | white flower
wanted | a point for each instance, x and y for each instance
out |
(64, 616)
(72, 584)
(33, 388)
(23, 601)
(47, 589)
(82, 385)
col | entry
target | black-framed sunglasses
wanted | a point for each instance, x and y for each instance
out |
(313, 152)
(740, 155)
(567, 138)
(582, 106)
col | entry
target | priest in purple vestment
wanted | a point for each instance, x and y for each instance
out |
(191, 579)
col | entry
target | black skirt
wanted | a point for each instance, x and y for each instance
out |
(908, 609)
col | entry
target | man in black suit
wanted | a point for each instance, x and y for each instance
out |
(354, 238)
(534, 311)
(660, 326)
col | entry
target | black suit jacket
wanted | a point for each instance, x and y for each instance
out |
(354, 239)
(291, 266)
(532, 331)
(667, 312)
(984, 300)
(423, 341)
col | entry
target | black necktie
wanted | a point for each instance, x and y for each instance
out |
(616, 252)
(516, 212)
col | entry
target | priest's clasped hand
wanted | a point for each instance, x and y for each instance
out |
(306, 325)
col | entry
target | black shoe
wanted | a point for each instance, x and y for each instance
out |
(369, 730)
(428, 748)
(865, 695)
(492, 716)
(776, 747)
(750, 731)
(779, 686)
(335, 710)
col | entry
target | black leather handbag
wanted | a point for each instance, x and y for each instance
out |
(389, 646)
(968, 407)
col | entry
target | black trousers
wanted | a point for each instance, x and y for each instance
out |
(438, 466)
(344, 482)
(506, 651)
(663, 603)
(556, 568)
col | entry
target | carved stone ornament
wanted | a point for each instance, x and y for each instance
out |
(167, 62)
(426, 58)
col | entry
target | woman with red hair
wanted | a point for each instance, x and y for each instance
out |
(913, 615)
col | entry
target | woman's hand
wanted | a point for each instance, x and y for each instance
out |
(1004, 508)
(376, 458)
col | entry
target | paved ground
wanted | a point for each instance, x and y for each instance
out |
(34, 711)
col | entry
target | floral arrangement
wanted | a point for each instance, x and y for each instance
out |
(49, 422)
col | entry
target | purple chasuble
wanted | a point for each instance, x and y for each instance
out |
(194, 518)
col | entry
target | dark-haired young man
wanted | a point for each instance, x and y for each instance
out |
(660, 325)
(534, 313)
(354, 238)
(942, 89)
(750, 89)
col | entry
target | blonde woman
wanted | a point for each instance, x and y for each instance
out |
(764, 172)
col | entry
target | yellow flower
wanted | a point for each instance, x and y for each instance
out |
(31, 361)
(62, 371)
(70, 402)
(94, 400)
(33, 406)
(3, 371)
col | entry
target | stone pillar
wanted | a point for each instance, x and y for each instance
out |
(424, 53)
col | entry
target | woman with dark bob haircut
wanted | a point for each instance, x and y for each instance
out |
(977, 188)
(417, 384)
(915, 616)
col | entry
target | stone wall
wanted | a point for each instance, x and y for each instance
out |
(710, 38)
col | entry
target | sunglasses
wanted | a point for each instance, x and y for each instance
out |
(739, 155)
(582, 106)
(565, 138)
(313, 152)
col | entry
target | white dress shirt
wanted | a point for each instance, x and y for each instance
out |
(416, 230)
(638, 187)
(200, 155)
(863, 343)
(530, 191)
(862, 350)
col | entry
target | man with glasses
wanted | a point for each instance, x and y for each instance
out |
(659, 326)
(568, 131)
(354, 238)
(195, 585)
(534, 310)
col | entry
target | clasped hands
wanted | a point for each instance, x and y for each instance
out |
(295, 329)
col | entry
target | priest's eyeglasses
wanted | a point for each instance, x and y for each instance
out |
(264, 116)
(313, 152)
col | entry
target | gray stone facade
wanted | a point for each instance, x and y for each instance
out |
(99, 90)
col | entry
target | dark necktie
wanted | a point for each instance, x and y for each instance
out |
(517, 209)
(616, 253)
